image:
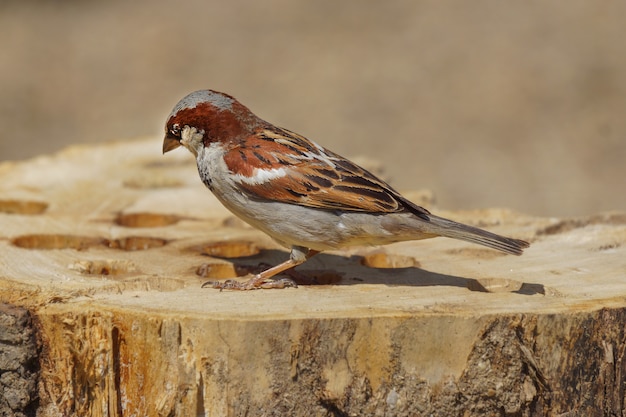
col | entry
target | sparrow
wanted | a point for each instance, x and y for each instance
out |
(304, 196)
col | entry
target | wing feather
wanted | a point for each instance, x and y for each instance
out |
(313, 176)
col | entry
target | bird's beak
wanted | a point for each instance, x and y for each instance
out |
(170, 143)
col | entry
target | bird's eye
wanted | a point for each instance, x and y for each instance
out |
(175, 130)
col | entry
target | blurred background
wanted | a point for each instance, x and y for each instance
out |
(487, 103)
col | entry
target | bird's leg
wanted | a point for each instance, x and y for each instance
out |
(299, 254)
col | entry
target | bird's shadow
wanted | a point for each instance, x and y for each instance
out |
(331, 269)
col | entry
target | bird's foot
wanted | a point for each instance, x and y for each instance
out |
(256, 283)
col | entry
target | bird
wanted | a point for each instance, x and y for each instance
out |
(304, 196)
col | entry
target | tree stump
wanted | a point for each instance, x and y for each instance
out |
(107, 247)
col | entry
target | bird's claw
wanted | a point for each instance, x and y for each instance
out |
(255, 283)
(279, 283)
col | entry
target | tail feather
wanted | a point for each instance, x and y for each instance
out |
(452, 229)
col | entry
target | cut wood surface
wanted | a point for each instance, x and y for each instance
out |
(108, 245)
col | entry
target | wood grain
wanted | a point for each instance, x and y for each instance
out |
(108, 245)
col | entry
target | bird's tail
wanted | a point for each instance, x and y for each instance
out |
(452, 229)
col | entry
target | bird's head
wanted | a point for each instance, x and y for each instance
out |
(207, 116)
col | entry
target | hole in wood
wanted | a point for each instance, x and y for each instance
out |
(153, 182)
(103, 267)
(566, 225)
(494, 285)
(133, 243)
(221, 270)
(56, 242)
(146, 220)
(231, 249)
(384, 260)
(22, 207)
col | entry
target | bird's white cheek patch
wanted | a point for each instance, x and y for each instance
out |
(261, 176)
(191, 138)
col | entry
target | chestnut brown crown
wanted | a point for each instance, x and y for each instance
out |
(217, 116)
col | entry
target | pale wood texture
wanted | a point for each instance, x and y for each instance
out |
(107, 247)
